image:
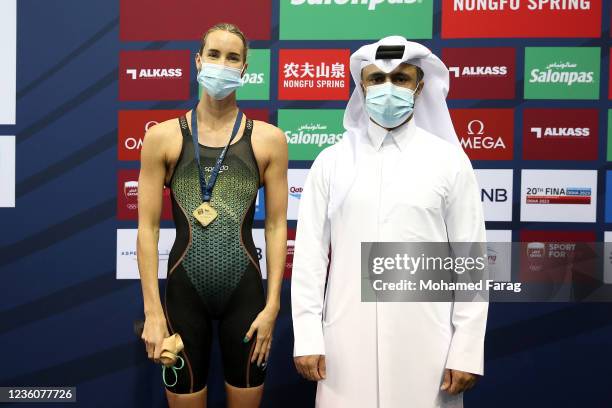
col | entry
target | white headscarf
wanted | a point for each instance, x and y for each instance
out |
(430, 110)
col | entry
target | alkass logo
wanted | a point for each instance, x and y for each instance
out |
(127, 197)
(132, 127)
(313, 74)
(520, 18)
(478, 71)
(481, 73)
(485, 134)
(371, 4)
(154, 75)
(560, 134)
(558, 195)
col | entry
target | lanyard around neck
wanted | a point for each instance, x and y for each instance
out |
(206, 188)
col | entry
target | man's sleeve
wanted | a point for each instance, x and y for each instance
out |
(465, 223)
(310, 260)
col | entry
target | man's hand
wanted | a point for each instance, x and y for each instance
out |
(456, 381)
(311, 367)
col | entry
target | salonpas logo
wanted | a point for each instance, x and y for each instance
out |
(253, 78)
(562, 72)
(309, 131)
(256, 81)
(371, 4)
(315, 134)
(355, 19)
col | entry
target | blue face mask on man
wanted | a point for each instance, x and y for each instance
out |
(389, 105)
(218, 80)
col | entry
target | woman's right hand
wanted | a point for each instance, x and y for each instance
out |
(153, 334)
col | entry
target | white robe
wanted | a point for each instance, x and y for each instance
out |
(410, 186)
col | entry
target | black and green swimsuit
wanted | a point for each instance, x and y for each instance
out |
(213, 271)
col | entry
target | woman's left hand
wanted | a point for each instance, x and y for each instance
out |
(264, 326)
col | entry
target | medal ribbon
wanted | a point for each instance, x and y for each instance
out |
(206, 188)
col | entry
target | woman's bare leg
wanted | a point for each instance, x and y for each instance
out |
(243, 397)
(192, 400)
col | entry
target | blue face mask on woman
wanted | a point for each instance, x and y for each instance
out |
(218, 80)
(389, 105)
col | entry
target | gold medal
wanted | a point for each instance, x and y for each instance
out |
(205, 213)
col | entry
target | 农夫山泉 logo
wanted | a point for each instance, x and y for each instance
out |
(313, 74)
(369, 19)
(481, 73)
(485, 134)
(560, 134)
(308, 131)
(127, 197)
(562, 72)
(133, 125)
(158, 20)
(558, 195)
(153, 75)
(521, 18)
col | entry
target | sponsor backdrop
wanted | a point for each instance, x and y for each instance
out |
(530, 99)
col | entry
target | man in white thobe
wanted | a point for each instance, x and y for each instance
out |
(398, 175)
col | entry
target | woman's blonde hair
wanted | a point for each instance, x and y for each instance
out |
(230, 28)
